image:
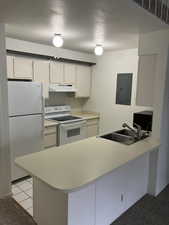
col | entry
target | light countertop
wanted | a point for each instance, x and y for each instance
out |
(87, 115)
(77, 164)
(50, 123)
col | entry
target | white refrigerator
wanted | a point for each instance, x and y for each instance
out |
(25, 121)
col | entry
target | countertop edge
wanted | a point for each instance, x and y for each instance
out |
(154, 148)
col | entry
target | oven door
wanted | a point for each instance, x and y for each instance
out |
(71, 132)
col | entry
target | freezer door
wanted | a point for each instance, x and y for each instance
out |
(26, 137)
(24, 98)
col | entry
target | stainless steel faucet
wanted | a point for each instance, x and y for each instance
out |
(139, 130)
(135, 132)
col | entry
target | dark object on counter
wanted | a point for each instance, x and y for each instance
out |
(144, 119)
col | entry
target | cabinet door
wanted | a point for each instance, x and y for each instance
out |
(49, 140)
(9, 61)
(57, 72)
(83, 81)
(69, 73)
(109, 204)
(92, 130)
(83, 202)
(41, 74)
(145, 80)
(23, 68)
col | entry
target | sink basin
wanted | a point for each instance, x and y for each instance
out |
(124, 132)
(122, 136)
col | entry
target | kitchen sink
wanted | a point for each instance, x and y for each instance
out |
(124, 132)
(123, 136)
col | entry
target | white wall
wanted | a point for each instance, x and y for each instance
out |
(104, 89)
(112, 116)
(65, 98)
(31, 47)
(5, 170)
(158, 43)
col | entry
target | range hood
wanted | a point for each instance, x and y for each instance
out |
(61, 88)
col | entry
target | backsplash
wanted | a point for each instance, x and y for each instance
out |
(65, 98)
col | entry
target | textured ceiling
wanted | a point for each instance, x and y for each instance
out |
(114, 23)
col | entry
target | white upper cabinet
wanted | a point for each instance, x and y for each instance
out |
(83, 81)
(145, 80)
(53, 72)
(41, 74)
(69, 73)
(10, 66)
(57, 72)
(23, 68)
(62, 73)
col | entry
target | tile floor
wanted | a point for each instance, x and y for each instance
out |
(22, 193)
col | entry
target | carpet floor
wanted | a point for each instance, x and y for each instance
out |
(11, 213)
(147, 211)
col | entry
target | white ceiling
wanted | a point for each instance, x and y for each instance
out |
(114, 23)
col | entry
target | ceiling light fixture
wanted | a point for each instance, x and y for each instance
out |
(98, 50)
(58, 40)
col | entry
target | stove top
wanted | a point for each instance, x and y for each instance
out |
(61, 113)
(66, 118)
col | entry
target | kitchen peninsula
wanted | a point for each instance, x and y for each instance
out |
(87, 182)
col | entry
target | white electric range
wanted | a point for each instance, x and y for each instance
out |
(71, 128)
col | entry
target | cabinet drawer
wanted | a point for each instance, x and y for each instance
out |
(92, 122)
(50, 140)
(50, 130)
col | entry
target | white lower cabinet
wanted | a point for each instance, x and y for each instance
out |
(49, 140)
(51, 132)
(50, 137)
(100, 202)
(119, 190)
(109, 202)
(81, 206)
(92, 127)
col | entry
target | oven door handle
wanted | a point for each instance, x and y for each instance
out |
(74, 125)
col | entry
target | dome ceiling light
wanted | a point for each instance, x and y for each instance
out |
(98, 50)
(58, 40)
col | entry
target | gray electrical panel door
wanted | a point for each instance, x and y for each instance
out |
(124, 88)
